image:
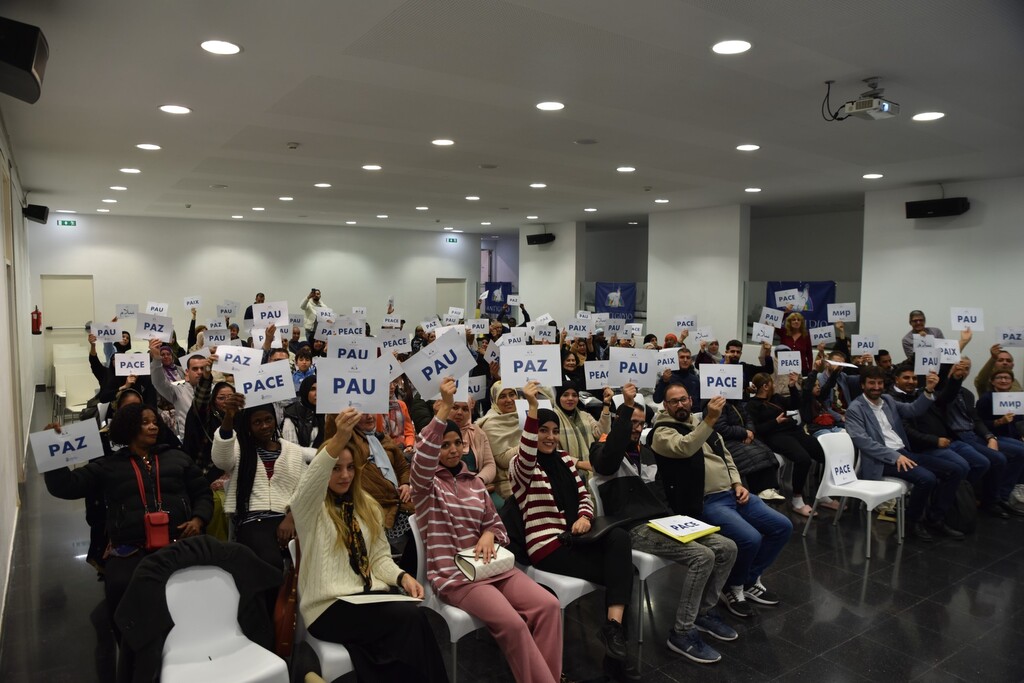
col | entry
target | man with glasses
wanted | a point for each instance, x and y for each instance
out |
(917, 328)
(701, 480)
(624, 481)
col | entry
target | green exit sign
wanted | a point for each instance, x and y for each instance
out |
(66, 223)
(451, 240)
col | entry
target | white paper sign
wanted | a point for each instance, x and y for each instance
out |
(325, 331)
(450, 319)
(521, 364)
(264, 314)
(702, 334)
(512, 300)
(1004, 402)
(1010, 336)
(522, 405)
(545, 333)
(78, 443)
(864, 343)
(826, 334)
(353, 348)
(457, 312)
(296, 319)
(512, 339)
(633, 366)
(446, 356)
(131, 364)
(950, 350)
(478, 325)
(762, 333)
(545, 319)
(126, 310)
(968, 319)
(788, 297)
(395, 341)
(770, 316)
(634, 329)
(153, 327)
(842, 470)
(787, 362)
(183, 361)
(596, 373)
(267, 383)
(483, 295)
(668, 359)
(225, 311)
(685, 322)
(350, 327)
(233, 306)
(476, 387)
(107, 333)
(579, 329)
(193, 302)
(430, 325)
(235, 359)
(614, 328)
(927, 360)
(215, 337)
(718, 379)
(345, 383)
(259, 335)
(157, 308)
(583, 315)
(926, 341)
(846, 313)
(391, 322)
(359, 311)
(492, 353)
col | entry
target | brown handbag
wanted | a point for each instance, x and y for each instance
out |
(285, 609)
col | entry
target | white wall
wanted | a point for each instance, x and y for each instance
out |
(506, 259)
(549, 274)
(616, 254)
(821, 246)
(936, 263)
(697, 263)
(142, 259)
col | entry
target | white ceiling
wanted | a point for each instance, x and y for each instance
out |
(374, 81)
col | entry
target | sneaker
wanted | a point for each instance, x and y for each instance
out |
(919, 532)
(1009, 508)
(759, 594)
(736, 602)
(771, 495)
(712, 624)
(692, 646)
(613, 636)
(1017, 495)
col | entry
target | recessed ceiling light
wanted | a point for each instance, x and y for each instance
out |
(130, 170)
(175, 109)
(532, 218)
(538, 186)
(625, 169)
(148, 146)
(634, 223)
(236, 216)
(220, 47)
(102, 210)
(350, 222)
(449, 227)
(371, 167)
(472, 198)
(65, 211)
(928, 116)
(752, 189)
(661, 201)
(486, 223)
(109, 201)
(119, 188)
(218, 186)
(456, 230)
(731, 47)
(258, 208)
(748, 148)
(286, 199)
(442, 142)
(590, 210)
(382, 215)
(872, 176)
(321, 185)
(550, 106)
(423, 208)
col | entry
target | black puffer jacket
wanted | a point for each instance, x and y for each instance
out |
(184, 491)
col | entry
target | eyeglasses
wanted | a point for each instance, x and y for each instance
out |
(677, 401)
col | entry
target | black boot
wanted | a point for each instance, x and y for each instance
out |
(613, 636)
(621, 670)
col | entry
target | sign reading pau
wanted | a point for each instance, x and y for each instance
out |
(275, 312)
(1010, 336)
(720, 380)
(446, 356)
(967, 319)
(633, 366)
(267, 383)
(362, 385)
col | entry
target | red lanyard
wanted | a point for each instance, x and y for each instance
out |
(142, 490)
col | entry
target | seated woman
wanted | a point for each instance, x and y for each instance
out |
(344, 552)
(302, 424)
(455, 513)
(265, 471)
(501, 425)
(397, 423)
(385, 476)
(476, 448)
(774, 425)
(556, 507)
(577, 428)
(170, 481)
(753, 458)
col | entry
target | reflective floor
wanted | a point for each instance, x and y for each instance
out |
(945, 611)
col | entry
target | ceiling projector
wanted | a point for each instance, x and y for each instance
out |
(872, 108)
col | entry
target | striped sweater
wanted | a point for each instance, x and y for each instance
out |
(452, 511)
(543, 521)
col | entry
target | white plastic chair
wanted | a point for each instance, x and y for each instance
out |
(839, 451)
(645, 564)
(460, 622)
(206, 643)
(63, 367)
(335, 659)
(80, 389)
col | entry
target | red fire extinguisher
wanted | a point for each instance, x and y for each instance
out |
(37, 321)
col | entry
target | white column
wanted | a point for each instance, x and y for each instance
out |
(550, 274)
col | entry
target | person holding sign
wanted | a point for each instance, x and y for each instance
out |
(1000, 359)
(155, 495)
(344, 553)
(309, 307)
(685, 375)
(455, 512)
(501, 425)
(918, 329)
(577, 428)
(265, 472)
(178, 394)
(556, 507)
(476, 448)
(1008, 429)
(794, 335)
(572, 369)
(385, 476)
(302, 425)
(775, 424)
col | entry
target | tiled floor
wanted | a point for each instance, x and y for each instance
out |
(945, 611)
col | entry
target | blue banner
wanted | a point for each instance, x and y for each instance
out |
(816, 295)
(618, 299)
(497, 293)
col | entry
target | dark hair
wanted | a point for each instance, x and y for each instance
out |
(194, 357)
(881, 352)
(650, 337)
(248, 459)
(871, 372)
(761, 379)
(917, 312)
(304, 352)
(903, 367)
(127, 423)
(1001, 372)
(733, 342)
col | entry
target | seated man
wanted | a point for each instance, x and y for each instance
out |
(754, 459)
(685, 375)
(733, 353)
(874, 422)
(917, 328)
(692, 459)
(626, 486)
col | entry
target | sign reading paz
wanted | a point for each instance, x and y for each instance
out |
(521, 364)
(721, 380)
(357, 384)
(235, 359)
(446, 356)
(78, 443)
(1010, 336)
(267, 383)
(153, 327)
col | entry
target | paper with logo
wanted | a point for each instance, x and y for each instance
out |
(77, 443)
(235, 359)
(446, 356)
(682, 528)
(360, 384)
(268, 383)
(633, 366)
(521, 364)
(153, 327)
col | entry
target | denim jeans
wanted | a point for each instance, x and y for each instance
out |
(968, 442)
(759, 532)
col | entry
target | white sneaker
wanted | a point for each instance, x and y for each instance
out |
(771, 494)
(1017, 495)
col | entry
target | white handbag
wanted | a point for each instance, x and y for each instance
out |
(476, 570)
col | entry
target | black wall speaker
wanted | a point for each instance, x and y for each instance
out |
(36, 213)
(542, 238)
(23, 55)
(933, 208)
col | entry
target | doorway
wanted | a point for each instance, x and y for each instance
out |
(67, 306)
(450, 292)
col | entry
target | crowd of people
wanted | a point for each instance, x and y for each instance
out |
(479, 475)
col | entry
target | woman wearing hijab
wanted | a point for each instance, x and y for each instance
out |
(302, 424)
(501, 425)
(577, 428)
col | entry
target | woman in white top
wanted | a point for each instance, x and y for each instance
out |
(344, 552)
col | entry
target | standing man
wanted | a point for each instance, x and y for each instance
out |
(179, 394)
(917, 328)
(309, 308)
(260, 298)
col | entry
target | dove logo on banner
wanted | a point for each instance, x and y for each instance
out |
(633, 366)
(521, 364)
(721, 380)
(446, 356)
(968, 319)
(275, 312)
(358, 384)
(267, 383)
(193, 302)
(77, 443)
(131, 364)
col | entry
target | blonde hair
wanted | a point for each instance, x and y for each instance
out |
(800, 318)
(367, 509)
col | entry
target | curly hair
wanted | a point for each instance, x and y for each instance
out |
(127, 423)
